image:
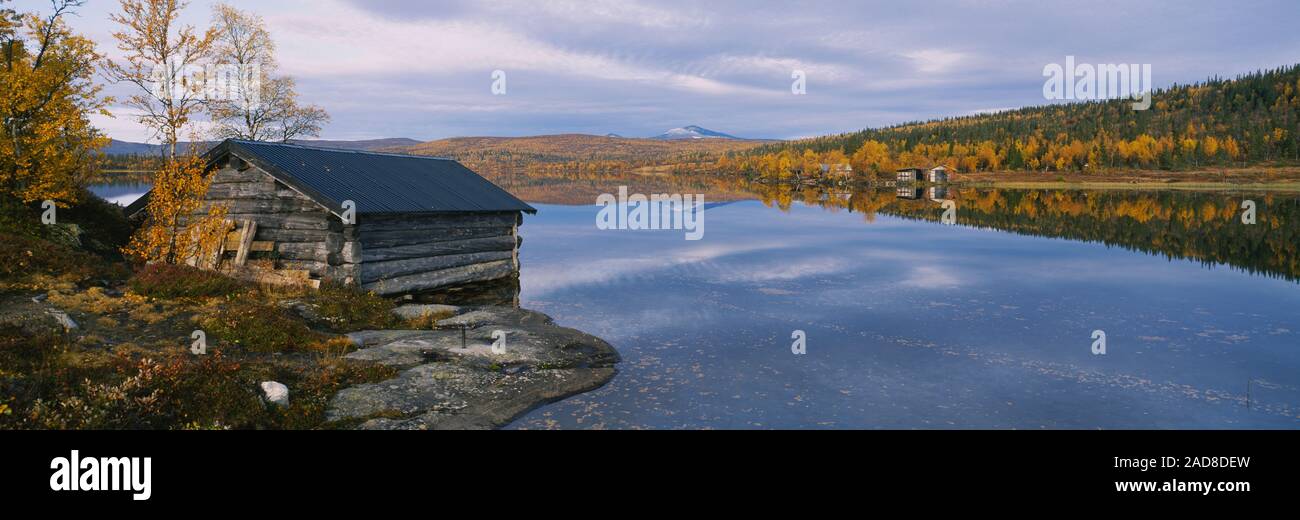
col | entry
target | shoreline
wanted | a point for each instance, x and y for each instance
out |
(1288, 186)
(1269, 179)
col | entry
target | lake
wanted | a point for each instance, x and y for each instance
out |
(122, 192)
(912, 323)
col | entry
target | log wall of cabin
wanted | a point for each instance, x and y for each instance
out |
(389, 254)
(306, 236)
(418, 252)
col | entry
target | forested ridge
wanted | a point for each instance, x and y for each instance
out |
(1246, 121)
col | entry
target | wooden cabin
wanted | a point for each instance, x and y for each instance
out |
(388, 223)
(911, 175)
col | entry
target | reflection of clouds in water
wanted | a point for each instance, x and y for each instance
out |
(662, 317)
(926, 277)
(786, 270)
(603, 271)
(795, 257)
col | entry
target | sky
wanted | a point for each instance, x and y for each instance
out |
(424, 69)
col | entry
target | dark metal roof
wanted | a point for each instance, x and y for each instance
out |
(136, 207)
(376, 182)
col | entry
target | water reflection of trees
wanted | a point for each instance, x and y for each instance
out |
(1178, 225)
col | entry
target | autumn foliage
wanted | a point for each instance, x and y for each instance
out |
(1250, 120)
(48, 148)
(177, 225)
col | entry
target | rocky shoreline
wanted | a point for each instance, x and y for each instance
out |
(453, 377)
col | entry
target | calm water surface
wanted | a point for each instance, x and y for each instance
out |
(915, 324)
(122, 192)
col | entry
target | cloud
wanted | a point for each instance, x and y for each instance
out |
(386, 68)
(432, 46)
(936, 60)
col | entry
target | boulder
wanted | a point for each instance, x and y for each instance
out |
(275, 393)
(65, 234)
(62, 319)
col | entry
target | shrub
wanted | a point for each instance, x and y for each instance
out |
(259, 327)
(48, 383)
(310, 391)
(346, 309)
(177, 391)
(37, 370)
(91, 223)
(182, 281)
(18, 218)
(25, 260)
(105, 227)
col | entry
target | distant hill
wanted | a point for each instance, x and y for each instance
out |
(117, 148)
(573, 147)
(578, 156)
(368, 145)
(692, 132)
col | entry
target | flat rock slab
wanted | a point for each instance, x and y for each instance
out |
(447, 396)
(475, 317)
(415, 311)
(465, 376)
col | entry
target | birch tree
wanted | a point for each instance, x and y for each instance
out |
(263, 107)
(164, 60)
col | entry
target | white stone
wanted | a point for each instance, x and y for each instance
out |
(275, 393)
(63, 319)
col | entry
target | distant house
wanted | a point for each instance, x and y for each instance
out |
(837, 171)
(911, 175)
(419, 223)
(938, 175)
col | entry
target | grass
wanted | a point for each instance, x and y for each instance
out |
(428, 320)
(30, 263)
(244, 321)
(182, 281)
(345, 309)
(34, 256)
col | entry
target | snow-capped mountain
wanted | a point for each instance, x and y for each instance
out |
(693, 132)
